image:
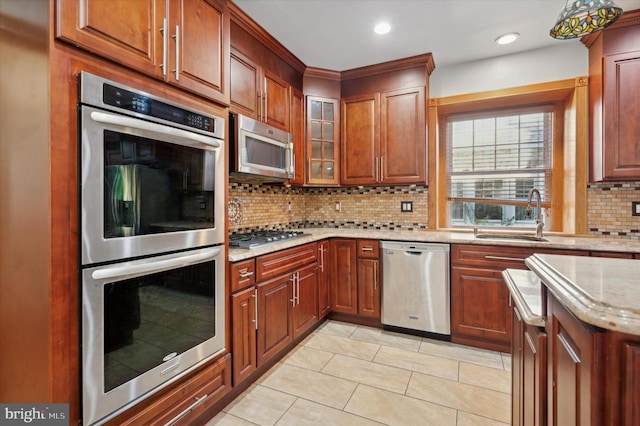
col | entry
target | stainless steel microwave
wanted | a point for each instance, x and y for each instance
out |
(259, 151)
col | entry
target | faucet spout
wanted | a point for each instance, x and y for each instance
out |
(539, 222)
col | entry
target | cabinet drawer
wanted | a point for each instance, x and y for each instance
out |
(368, 249)
(243, 274)
(500, 257)
(285, 261)
(184, 402)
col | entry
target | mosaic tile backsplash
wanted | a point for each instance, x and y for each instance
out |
(260, 207)
(609, 212)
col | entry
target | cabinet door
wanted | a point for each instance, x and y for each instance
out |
(343, 276)
(199, 47)
(297, 130)
(305, 311)
(403, 137)
(621, 116)
(360, 139)
(128, 32)
(324, 301)
(368, 288)
(275, 301)
(275, 109)
(243, 311)
(534, 376)
(517, 328)
(322, 141)
(245, 85)
(575, 369)
(480, 314)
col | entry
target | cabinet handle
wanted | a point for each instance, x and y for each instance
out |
(244, 273)
(165, 47)
(375, 276)
(381, 168)
(514, 259)
(293, 290)
(176, 37)
(187, 411)
(255, 306)
(322, 258)
(298, 288)
(367, 248)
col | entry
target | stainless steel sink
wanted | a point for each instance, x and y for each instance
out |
(511, 237)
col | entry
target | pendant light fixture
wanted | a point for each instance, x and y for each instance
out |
(581, 17)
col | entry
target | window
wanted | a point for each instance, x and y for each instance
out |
(493, 159)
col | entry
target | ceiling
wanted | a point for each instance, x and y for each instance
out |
(338, 34)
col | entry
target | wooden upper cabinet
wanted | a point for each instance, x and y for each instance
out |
(360, 139)
(258, 93)
(183, 42)
(403, 136)
(614, 97)
(245, 85)
(127, 31)
(322, 141)
(199, 31)
(296, 121)
(384, 138)
(275, 110)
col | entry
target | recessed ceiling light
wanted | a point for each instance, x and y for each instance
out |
(507, 38)
(382, 28)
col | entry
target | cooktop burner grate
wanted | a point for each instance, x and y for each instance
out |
(260, 238)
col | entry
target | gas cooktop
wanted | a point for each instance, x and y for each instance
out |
(261, 238)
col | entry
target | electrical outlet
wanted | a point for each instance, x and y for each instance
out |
(289, 208)
(635, 208)
(338, 206)
(406, 206)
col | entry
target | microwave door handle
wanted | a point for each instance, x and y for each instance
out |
(153, 265)
(120, 120)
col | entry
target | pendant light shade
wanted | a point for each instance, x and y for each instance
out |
(580, 17)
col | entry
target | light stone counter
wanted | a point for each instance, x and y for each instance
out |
(526, 292)
(600, 291)
(555, 241)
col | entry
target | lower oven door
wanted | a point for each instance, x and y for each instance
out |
(147, 322)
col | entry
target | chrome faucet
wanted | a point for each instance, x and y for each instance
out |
(527, 212)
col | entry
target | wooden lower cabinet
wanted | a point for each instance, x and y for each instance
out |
(355, 278)
(305, 304)
(280, 304)
(575, 369)
(368, 288)
(529, 373)
(184, 402)
(344, 284)
(244, 316)
(480, 312)
(274, 317)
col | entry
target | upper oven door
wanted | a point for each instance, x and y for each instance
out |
(147, 188)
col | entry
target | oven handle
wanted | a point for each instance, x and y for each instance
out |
(124, 121)
(153, 266)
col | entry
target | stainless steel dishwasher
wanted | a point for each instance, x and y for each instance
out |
(415, 283)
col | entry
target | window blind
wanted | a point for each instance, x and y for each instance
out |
(497, 157)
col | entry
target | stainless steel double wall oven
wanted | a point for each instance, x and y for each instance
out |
(152, 243)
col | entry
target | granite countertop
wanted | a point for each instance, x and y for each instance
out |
(555, 241)
(603, 292)
(526, 292)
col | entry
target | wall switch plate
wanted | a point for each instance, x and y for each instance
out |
(338, 206)
(635, 208)
(406, 206)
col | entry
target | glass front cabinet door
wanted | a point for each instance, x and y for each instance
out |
(322, 141)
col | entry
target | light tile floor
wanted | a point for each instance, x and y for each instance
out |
(345, 374)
